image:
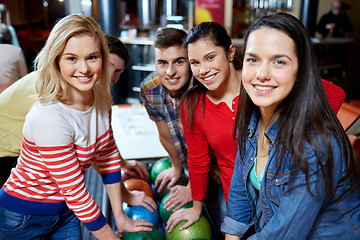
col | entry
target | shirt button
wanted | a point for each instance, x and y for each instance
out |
(233, 102)
(233, 118)
(267, 213)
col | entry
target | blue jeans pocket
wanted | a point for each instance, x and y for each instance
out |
(12, 221)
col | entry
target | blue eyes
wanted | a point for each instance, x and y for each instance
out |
(74, 59)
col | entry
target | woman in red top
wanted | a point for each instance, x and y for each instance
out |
(209, 110)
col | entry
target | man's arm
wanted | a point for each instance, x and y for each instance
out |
(172, 174)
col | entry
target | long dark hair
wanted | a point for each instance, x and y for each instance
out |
(305, 115)
(219, 37)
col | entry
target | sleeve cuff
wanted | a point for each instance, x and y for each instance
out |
(234, 227)
(96, 224)
(110, 178)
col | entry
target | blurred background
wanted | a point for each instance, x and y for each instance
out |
(135, 21)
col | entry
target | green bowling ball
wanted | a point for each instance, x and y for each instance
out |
(159, 166)
(198, 230)
(165, 214)
(148, 235)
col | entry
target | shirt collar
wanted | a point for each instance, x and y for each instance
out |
(271, 132)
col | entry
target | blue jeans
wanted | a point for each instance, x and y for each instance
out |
(55, 227)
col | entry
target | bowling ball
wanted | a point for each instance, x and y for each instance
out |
(183, 181)
(125, 176)
(165, 214)
(140, 185)
(146, 235)
(198, 230)
(159, 166)
(140, 212)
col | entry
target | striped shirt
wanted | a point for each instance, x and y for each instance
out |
(59, 145)
(162, 107)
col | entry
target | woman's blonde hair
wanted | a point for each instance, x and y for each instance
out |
(50, 85)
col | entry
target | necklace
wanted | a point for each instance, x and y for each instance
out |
(262, 147)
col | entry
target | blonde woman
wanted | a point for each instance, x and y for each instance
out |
(66, 131)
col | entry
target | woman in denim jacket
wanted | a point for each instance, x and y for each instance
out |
(295, 175)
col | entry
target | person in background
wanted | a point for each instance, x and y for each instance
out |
(119, 57)
(66, 131)
(4, 19)
(335, 23)
(296, 176)
(208, 113)
(161, 92)
(12, 60)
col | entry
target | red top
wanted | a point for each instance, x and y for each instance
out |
(215, 130)
(335, 95)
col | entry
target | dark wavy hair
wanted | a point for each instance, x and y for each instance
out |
(305, 115)
(116, 46)
(218, 35)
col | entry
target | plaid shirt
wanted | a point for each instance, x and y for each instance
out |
(162, 107)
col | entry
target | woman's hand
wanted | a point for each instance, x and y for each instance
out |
(139, 198)
(105, 233)
(179, 196)
(125, 224)
(231, 237)
(188, 214)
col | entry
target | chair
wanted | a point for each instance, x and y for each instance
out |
(347, 115)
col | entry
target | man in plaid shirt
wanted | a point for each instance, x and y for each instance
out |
(161, 92)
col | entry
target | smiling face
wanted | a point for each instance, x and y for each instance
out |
(81, 64)
(117, 67)
(173, 68)
(209, 63)
(270, 67)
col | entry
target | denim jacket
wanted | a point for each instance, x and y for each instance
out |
(277, 212)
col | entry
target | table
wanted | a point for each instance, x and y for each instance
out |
(135, 134)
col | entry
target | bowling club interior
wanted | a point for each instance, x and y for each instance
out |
(136, 21)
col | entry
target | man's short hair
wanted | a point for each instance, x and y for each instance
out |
(168, 37)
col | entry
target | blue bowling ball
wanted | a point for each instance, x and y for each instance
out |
(140, 212)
